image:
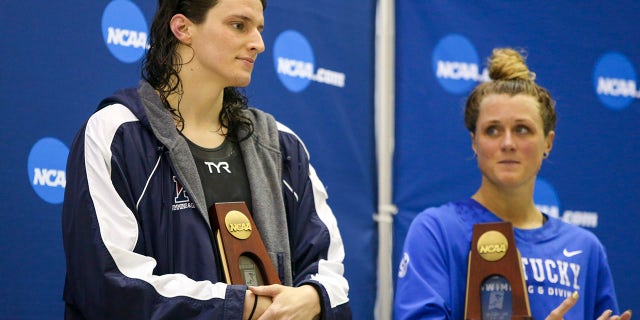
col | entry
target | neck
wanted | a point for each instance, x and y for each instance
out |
(199, 104)
(202, 93)
(515, 207)
(197, 109)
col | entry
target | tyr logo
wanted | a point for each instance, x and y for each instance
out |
(218, 166)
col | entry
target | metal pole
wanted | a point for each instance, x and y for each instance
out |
(385, 131)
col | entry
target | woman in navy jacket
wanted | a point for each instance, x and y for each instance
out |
(147, 165)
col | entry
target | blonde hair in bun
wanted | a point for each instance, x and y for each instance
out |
(508, 64)
(510, 75)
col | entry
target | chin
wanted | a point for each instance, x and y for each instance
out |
(242, 82)
(508, 181)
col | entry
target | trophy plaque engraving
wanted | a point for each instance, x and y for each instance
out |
(495, 280)
(244, 257)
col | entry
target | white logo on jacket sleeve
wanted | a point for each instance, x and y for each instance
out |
(404, 264)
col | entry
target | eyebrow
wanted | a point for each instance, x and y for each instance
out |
(517, 121)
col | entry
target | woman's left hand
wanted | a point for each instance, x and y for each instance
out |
(569, 302)
(607, 316)
(290, 303)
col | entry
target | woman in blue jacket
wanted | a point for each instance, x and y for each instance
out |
(511, 121)
(147, 165)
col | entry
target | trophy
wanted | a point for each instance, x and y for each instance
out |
(244, 257)
(495, 281)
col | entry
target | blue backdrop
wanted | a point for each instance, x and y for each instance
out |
(585, 54)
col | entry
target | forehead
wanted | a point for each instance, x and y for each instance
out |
(249, 9)
(502, 107)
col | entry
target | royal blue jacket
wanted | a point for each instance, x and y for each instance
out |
(136, 232)
(557, 259)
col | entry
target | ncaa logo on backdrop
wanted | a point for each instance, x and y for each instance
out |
(456, 64)
(124, 30)
(615, 81)
(547, 201)
(46, 168)
(295, 63)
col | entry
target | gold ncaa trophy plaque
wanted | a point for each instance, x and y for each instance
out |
(244, 257)
(495, 282)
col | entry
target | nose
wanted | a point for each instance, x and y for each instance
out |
(257, 44)
(508, 143)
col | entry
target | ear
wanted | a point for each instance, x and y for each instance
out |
(550, 137)
(473, 143)
(181, 27)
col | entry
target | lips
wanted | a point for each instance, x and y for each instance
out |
(250, 60)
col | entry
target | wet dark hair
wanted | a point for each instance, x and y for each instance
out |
(161, 63)
(510, 75)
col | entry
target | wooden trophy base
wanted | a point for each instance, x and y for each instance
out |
(494, 253)
(244, 256)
